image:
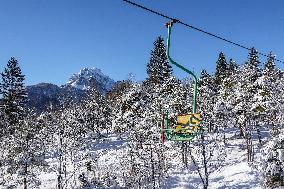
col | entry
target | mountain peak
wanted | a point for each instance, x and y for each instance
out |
(90, 72)
(90, 77)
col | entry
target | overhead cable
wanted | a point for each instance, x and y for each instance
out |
(197, 29)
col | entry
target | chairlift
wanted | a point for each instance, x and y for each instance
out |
(187, 126)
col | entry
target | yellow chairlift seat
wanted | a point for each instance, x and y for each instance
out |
(186, 119)
(188, 123)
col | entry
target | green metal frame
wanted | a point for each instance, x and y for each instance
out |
(169, 132)
(169, 25)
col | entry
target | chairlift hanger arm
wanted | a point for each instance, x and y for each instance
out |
(169, 26)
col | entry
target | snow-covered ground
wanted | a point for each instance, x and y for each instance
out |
(110, 149)
(236, 172)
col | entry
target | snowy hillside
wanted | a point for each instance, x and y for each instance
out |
(89, 77)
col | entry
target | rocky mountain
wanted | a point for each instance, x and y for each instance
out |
(42, 95)
(91, 77)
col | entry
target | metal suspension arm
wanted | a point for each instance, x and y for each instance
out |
(169, 26)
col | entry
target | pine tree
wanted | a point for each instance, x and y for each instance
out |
(207, 98)
(271, 74)
(115, 98)
(117, 91)
(271, 97)
(14, 94)
(97, 112)
(221, 69)
(158, 68)
(272, 162)
(248, 87)
(247, 100)
(227, 95)
(232, 67)
(251, 85)
(2, 122)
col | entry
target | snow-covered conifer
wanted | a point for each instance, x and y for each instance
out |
(14, 94)
(158, 68)
(221, 69)
(272, 164)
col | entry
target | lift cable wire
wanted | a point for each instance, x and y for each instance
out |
(198, 29)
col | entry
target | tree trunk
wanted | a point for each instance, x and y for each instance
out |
(210, 127)
(153, 168)
(241, 131)
(26, 165)
(26, 174)
(206, 174)
(249, 148)
(25, 182)
(59, 176)
(259, 136)
(184, 154)
(197, 167)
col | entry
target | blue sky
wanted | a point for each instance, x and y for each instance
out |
(52, 39)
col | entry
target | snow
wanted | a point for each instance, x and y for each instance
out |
(110, 149)
(48, 180)
(281, 154)
(236, 173)
(239, 175)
